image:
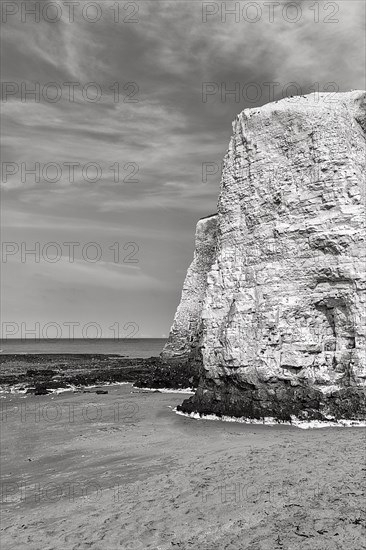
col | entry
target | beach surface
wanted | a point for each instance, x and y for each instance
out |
(123, 471)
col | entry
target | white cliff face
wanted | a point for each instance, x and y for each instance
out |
(186, 331)
(285, 296)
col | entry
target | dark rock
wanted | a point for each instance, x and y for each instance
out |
(41, 390)
(173, 375)
(301, 401)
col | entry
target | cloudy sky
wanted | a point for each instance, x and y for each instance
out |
(127, 89)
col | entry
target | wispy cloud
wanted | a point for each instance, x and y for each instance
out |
(168, 55)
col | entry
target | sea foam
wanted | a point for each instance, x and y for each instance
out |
(270, 421)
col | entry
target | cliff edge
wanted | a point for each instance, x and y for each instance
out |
(184, 340)
(274, 301)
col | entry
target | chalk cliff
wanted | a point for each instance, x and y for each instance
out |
(274, 301)
(185, 335)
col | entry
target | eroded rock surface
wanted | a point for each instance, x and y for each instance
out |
(277, 305)
(186, 332)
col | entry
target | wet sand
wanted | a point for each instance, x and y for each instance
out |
(122, 471)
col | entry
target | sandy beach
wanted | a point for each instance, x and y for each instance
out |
(122, 470)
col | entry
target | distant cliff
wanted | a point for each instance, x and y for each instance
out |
(274, 301)
(185, 334)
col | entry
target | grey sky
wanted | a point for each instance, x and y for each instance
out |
(168, 52)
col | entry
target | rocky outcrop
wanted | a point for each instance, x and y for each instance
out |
(278, 313)
(54, 370)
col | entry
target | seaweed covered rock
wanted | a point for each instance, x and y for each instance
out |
(174, 375)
